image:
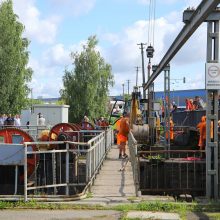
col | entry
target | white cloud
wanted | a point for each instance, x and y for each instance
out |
(49, 69)
(194, 50)
(144, 2)
(158, 2)
(57, 56)
(48, 89)
(112, 38)
(124, 55)
(74, 7)
(192, 3)
(46, 80)
(43, 30)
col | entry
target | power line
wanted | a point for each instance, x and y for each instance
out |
(151, 21)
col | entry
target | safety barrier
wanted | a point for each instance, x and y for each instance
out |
(65, 171)
(132, 144)
(184, 171)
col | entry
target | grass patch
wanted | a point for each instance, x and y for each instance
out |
(132, 198)
(213, 215)
(181, 208)
(211, 209)
(89, 195)
(33, 204)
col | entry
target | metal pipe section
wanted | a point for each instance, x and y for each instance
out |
(199, 15)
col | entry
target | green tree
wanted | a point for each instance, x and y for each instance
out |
(127, 97)
(86, 86)
(14, 73)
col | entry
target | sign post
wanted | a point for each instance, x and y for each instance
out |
(212, 76)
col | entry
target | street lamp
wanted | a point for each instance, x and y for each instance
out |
(150, 54)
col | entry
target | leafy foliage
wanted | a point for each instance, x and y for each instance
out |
(86, 87)
(14, 73)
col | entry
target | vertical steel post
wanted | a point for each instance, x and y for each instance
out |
(54, 171)
(25, 172)
(87, 165)
(90, 162)
(148, 91)
(67, 168)
(212, 190)
(106, 140)
(16, 179)
(151, 119)
(167, 107)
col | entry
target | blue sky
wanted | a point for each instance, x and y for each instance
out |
(57, 27)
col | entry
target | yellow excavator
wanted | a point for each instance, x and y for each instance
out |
(139, 129)
(134, 106)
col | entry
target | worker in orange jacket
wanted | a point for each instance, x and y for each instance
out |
(122, 136)
(117, 129)
(171, 130)
(202, 133)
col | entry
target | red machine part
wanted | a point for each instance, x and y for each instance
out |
(8, 133)
(64, 128)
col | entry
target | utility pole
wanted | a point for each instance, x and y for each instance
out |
(123, 86)
(137, 69)
(128, 85)
(143, 71)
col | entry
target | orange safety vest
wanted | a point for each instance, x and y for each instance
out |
(124, 127)
(171, 131)
(123, 131)
(202, 130)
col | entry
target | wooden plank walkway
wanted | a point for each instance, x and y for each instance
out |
(111, 182)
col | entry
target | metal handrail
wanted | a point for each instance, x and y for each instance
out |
(95, 152)
(132, 144)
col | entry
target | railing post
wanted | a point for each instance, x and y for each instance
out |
(25, 172)
(88, 164)
(54, 171)
(132, 144)
(67, 169)
(106, 142)
(16, 179)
